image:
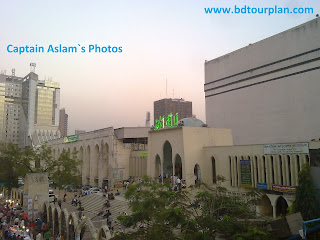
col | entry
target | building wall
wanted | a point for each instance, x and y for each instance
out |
(266, 92)
(63, 123)
(166, 106)
(103, 155)
(188, 143)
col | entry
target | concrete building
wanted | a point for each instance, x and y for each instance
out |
(268, 91)
(29, 110)
(166, 106)
(108, 155)
(63, 123)
(202, 153)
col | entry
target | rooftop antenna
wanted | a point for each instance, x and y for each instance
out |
(148, 119)
(13, 71)
(33, 67)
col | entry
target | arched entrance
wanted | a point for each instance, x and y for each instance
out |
(71, 228)
(50, 218)
(281, 207)
(86, 166)
(167, 160)
(63, 225)
(56, 222)
(178, 167)
(105, 164)
(157, 167)
(266, 207)
(94, 166)
(197, 174)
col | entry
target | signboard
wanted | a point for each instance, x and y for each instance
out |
(171, 120)
(30, 210)
(245, 171)
(286, 148)
(143, 154)
(281, 188)
(72, 138)
(263, 186)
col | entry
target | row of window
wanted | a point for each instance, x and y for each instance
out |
(268, 169)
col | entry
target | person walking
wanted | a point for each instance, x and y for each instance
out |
(59, 203)
(47, 235)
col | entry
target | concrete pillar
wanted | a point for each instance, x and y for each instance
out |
(274, 212)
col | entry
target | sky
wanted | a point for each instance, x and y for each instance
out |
(167, 40)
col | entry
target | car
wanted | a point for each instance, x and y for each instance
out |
(94, 190)
(50, 191)
(85, 189)
(51, 197)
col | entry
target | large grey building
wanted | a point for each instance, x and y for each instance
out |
(63, 123)
(29, 110)
(268, 91)
(166, 106)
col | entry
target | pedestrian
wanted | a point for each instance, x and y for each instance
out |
(80, 214)
(178, 181)
(38, 237)
(54, 199)
(47, 235)
(65, 197)
(59, 203)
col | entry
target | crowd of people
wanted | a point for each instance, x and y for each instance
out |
(15, 224)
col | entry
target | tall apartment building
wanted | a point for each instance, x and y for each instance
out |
(63, 123)
(166, 106)
(29, 110)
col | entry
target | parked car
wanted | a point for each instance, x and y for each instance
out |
(94, 190)
(50, 191)
(51, 197)
(70, 188)
(85, 189)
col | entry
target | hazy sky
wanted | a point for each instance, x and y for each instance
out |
(164, 39)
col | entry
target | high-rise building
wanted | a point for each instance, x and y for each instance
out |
(63, 123)
(29, 110)
(166, 106)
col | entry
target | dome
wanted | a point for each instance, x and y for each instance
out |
(191, 122)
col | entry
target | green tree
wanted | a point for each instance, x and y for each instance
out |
(158, 213)
(13, 165)
(65, 170)
(16, 163)
(305, 199)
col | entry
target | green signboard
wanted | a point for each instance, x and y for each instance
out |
(143, 154)
(167, 121)
(72, 138)
(245, 172)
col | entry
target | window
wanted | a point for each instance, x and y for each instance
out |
(298, 163)
(289, 169)
(264, 169)
(281, 172)
(214, 173)
(272, 169)
(230, 169)
(257, 168)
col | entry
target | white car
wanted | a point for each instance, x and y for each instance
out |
(94, 190)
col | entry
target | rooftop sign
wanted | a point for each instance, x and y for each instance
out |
(287, 148)
(167, 121)
(72, 138)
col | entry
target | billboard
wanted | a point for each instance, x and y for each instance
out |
(284, 189)
(245, 172)
(72, 138)
(286, 148)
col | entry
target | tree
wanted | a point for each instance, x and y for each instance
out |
(13, 165)
(158, 213)
(65, 171)
(305, 199)
(16, 163)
